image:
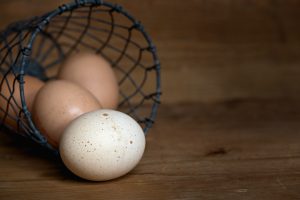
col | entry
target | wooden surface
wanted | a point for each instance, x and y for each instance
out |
(229, 124)
(214, 50)
(234, 150)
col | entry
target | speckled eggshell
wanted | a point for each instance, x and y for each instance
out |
(102, 145)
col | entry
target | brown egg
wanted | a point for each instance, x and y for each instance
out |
(94, 73)
(31, 87)
(57, 104)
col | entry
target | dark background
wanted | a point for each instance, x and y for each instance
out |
(228, 127)
(215, 50)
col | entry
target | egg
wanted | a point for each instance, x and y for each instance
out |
(57, 104)
(102, 145)
(94, 73)
(10, 84)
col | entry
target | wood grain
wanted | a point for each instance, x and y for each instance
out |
(213, 50)
(229, 124)
(233, 150)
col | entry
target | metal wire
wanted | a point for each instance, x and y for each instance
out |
(38, 46)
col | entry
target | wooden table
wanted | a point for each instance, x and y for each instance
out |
(229, 150)
(230, 129)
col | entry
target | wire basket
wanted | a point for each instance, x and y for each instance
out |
(37, 47)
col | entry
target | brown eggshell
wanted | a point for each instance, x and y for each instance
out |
(57, 104)
(94, 73)
(31, 87)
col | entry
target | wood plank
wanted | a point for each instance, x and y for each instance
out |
(230, 58)
(213, 50)
(229, 150)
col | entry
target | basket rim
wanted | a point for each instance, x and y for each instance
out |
(25, 55)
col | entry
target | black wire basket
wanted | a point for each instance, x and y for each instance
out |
(37, 47)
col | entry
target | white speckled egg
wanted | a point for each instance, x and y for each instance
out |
(102, 145)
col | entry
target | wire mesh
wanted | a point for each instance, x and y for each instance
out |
(38, 47)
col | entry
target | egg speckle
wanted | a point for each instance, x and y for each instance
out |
(104, 149)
